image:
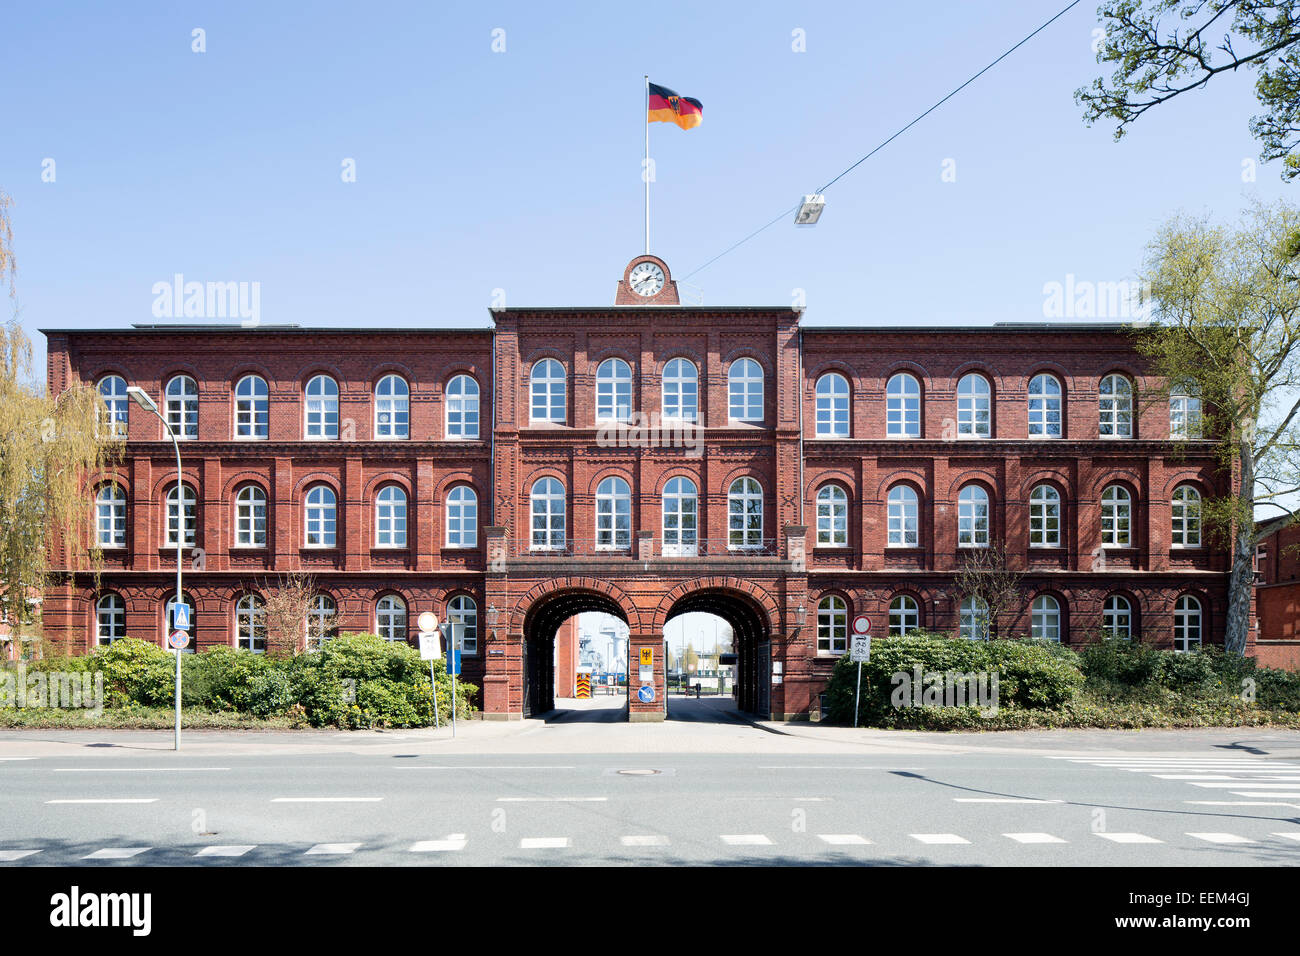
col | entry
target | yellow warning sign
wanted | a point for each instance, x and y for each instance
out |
(647, 656)
(584, 686)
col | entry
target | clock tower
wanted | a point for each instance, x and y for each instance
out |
(647, 281)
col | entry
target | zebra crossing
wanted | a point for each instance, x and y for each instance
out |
(1255, 778)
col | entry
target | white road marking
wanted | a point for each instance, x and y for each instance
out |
(644, 840)
(1220, 837)
(237, 850)
(1034, 838)
(552, 799)
(1266, 793)
(745, 839)
(1129, 838)
(453, 843)
(332, 849)
(1002, 800)
(844, 839)
(1248, 783)
(1237, 803)
(326, 799)
(131, 769)
(108, 800)
(18, 758)
(418, 766)
(938, 838)
(8, 856)
(1289, 835)
(830, 767)
(1179, 776)
(543, 843)
(116, 853)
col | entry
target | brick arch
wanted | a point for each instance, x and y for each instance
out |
(905, 476)
(247, 476)
(975, 476)
(682, 352)
(757, 597)
(749, 352)
(540, 593)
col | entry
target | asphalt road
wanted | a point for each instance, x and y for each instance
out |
(582, 788)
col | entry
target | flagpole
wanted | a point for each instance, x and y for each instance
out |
(645, 167)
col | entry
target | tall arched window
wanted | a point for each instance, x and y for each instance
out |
(546, 387)
(1044, 407)
(462, 517)
(832, 626)
(322, 621)
(390, 517)
(904, 616)
(181, 498)
(832, 412)
(1185, 411)
(250, 624)
(321, 511)
(169, 618)
(1044, 517)
(1117, 618)
(1116, 517)
(613, 391)
(745, 391)
(110, 516)
(463, 609)
(462, 408)
(110, 618)
(116, 414)
(745, 514)
(973, 517)
(252, 408)
(1186, 514)
(1045, 624)
(250, 517)
(390, 618)
(392, 408)
(680, 513)
(904, 517)
(613, 514)
(1187, 624)
(183, 407)
(974, 407)
(1116, 407)
(903, 407)
(322, 408)
(547, 506)
(681, 390)
(832, 517)
(975, 619)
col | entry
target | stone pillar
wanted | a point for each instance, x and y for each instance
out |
(651, 711)
(503, 675)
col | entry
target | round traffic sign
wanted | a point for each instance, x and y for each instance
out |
(428, 621)
(861, 624)
(178, 639)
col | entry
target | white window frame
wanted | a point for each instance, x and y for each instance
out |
(974, 407)
(391, 513)
(681, 518)
(1185, 412)
(903, 509)
(320, 517)
(464, 609)
(110, 619)
(975, 624)
(250, 624)
(745, 514)
(1185, 518)
(117, 405)
(250, 517)
(832, 626)
(1115, 406)
(391, 618)
(547, 393)
(1117, 617)
(182, 398)
(1116, 517)
(681, 391)
(1189, 624)
(1045, 619)
(462, 517)
(832, 408)
(187, 501)
(903, 406)
(745, 391)
(613, 514)
(546, 506)
(321, 409)
(110, 516)
(904, 615)
(1046, 406)
(974, 517)
(320, 609)
(613, 391)
(252, 409)
(393, 400)
(462, 420)
(1045, 512)
(832, 516)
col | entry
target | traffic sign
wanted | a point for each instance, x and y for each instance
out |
(428, 621)
(453, 661)
(430, 645)
(646, 694)
(181, 617)
(861, 624)
(647, 656)
(178, 639)
(861, 650)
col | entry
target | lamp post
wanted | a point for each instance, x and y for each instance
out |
(141, 398)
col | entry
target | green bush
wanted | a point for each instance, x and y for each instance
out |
(135, 672)
(270, 693)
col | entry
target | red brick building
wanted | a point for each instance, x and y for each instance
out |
(646, 460)
(1277, 593)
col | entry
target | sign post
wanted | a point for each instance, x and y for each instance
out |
(454, 631)
(861, 652)
(431, 650)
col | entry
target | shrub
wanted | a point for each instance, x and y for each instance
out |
(135, 672)
(270, 693)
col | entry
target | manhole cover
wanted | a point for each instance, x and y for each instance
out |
(639, 772)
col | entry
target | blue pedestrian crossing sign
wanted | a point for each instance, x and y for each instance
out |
(181, 617)
(646, 694)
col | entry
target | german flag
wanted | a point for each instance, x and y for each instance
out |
(667, 107)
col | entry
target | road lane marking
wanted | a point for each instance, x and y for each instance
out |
(1248, 783)
(18, 758)
(1289, 835)
(132, 769)
(326, 799)
(453, 843)
(1002, 800)
(236, 850)
(543, 843)
(552, 799)
(8, 856)
(108, 800)
(332, 849)
(1220, 837)
(116, 853)
(421, 766)
(1237, 803)
(936, 838)
(745, 839)
(844, 839)
(1129, 838)
(1034, 838)
(831, 767)
(1266, 793)
(644, 840)
(1183, 776)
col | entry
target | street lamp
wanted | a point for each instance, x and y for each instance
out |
(141, 398)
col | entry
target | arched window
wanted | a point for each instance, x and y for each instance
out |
(322, 621)
(613, 391)
(110, 619)
(169, 618)
(903, 407)
(183, 408)
(1116, 407)
(1187, 624)
(322, 517)
(904, 521)
(390, 618)
(681, 390)
(1185, 411)
(1044, 407)
(1046, 619)
(462, 408)
(1116, 517)
(832, 413)
(973, 517)
(252, 408)
(1186, 514)
(832, 626)
(975, 619)
(745, 514)
(250, 517)
(1044, 517)
(1117, 618)
(745, 391)
(390, 517)
(250, 624)
(974, 407)
(322, 408)
(613, 514)
(547, 392)
(832, 517)
(110, 516)
(392, 408)
(178, 498)
(464, 610)
(904, 616)
(680, 512)
(116, 414)
(547, 506)
(462, 517)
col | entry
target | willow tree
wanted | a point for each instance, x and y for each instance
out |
(1226, 305)
(49, 446)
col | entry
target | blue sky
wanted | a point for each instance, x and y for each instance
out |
(520, 170)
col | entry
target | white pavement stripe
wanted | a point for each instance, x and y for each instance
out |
(1181, 776)
(8, 856)
(644, 840)
(1129, 838)
(1266, 793)
(18, 758)
(1248, 783)
(475, 767)
(1289, 835)
(1220, 837)
(746, 839)
(1002, 800)
(844, 839)
(332, 849)
(108, 800)
(235, 850)
(326, 799)
(830, 767)
(938, 838)
(453, 843)
(1033, 838)
(1237, 803)
(552, 799)
(116, 853)
(543, 843)
(132, 769)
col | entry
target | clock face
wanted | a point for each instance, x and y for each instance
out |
(646, 279)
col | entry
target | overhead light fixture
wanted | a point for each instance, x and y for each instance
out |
(141, 398)
(810, 210)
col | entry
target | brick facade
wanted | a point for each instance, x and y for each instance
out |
(1277, 594)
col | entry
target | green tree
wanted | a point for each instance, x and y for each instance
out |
(1164, 48)
(1226, 305)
